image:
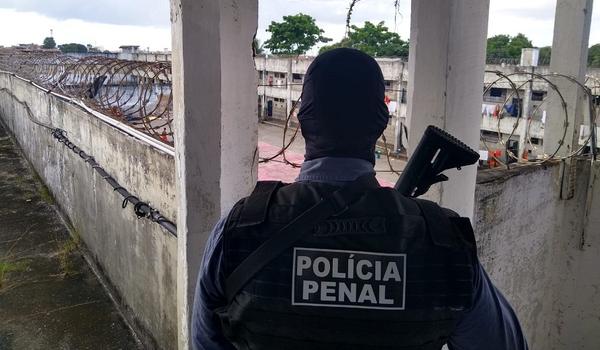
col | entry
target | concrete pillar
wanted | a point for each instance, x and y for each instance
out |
(263, 82)
(398, 125)
(526, 114)
(446, 70)
(215, 112)
(288, 85)
(569, 56)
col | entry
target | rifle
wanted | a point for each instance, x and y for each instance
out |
(437, 151)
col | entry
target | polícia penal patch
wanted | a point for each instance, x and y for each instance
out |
(351, 279)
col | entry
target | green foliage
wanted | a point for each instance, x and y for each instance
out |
(65, 255)
(594, 56)
(373, 39)
(92, 48)
(520, 41)
(257, 47)
(505, 46)
(545, 53)
(294, 36)
(73, 47)
(6, 267)
(49, 43)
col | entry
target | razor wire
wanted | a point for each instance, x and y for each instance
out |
(141, 209)
(516, 81)
(140, 95)
(136, 93)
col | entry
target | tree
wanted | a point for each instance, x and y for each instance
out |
(73, 47)
(92, 48)
(49, 43)
(375, 40)
(497, 46)
(545, 53)
(295, 35)
(258, 47)
(518, 42)
(594, 56)
(505, 46)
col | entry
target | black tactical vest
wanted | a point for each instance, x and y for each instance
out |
(381, 275)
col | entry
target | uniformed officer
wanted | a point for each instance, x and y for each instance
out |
(334, 261)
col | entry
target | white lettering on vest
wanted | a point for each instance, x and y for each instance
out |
(367, 294)
(336, 269)
(309, 288)
(360, 269)
(347, 294)
(324, 269)
(382, 299)
(323, 277)
(328, 291)
(391, 272)
(302, 264)
(351, 266)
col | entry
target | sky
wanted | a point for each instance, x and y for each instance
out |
(111, 23)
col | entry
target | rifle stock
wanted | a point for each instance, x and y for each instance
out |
(437, 151)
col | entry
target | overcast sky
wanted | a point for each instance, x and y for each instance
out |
(111, 23)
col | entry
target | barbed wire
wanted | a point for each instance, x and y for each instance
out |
(25, 105)
(547, 79)
(134, 92)
(141, 209)
(139, 94)
(287, 144)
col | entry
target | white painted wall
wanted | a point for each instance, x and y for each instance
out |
(137, 256)
(528, 239)
(529, 243)
(215, 113)
(445, 84)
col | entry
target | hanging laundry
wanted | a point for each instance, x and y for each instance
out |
(543, 117)
(392, 105)
(512, 109)
(496, 111)
(487, 109)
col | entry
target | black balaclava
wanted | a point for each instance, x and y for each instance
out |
(343, 112)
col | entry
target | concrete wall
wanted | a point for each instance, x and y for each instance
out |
(137, 256)
(529, 242)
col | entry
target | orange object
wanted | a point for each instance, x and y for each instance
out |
(493, 157)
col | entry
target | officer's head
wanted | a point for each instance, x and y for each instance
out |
(343, 112)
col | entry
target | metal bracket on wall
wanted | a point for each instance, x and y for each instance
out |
(568, 170)
(593, 176)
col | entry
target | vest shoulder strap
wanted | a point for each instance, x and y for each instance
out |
(333, 204)
(466, 231)
(438, 223)
(256, 206)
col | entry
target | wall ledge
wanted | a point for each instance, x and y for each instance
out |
(501, 174)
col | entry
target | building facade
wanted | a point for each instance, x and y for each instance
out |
(506, 90)
(280, 87)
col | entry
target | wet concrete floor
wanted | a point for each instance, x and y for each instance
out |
(49, 297)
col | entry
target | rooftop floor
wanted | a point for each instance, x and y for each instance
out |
(270, 139)
(49, 297)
